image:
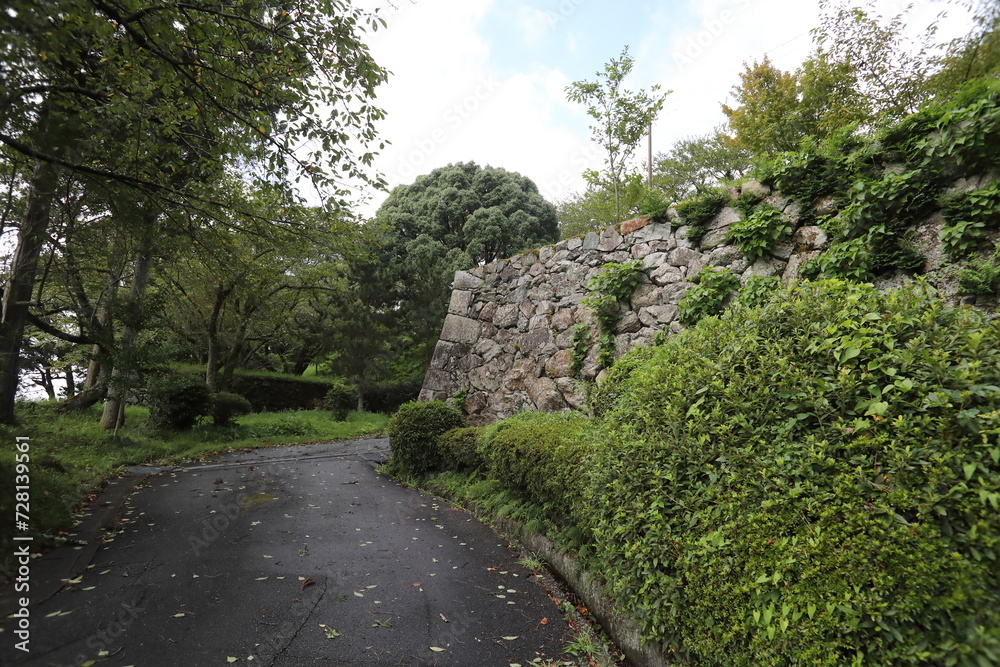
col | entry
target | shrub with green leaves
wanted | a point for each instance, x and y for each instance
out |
(968, 216)
(759, 290)
(459, 449)
(812, 482)
(540, 456)
(414, 432)
(226, 406)
(757, 234)
(709, 296)
(340, 400)
(611, 287)
(654, 207)
(698, 211)
(177, 402)
(981, 275)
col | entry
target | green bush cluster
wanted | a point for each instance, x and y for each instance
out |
(177, 401)
(540, 456)
(340, 399)
(414, 433)
(709, 296)
(982, 275)
(698, 211)
(459, 449)
(815, 481)
(758, 233)
(968, 216)
(610, 288)
(226, 406)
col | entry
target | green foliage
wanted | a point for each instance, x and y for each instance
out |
(581, 347)
(622, 118)
(698, 211)
(226, 405)
(460, 449)
(696, 164)
(177, 402)
(968, 135)
(747, 203)
(968, 216)
(414, 432)
(448, 220)
(757, 234)
(758, 290)
(805, 176)
(608, 289)
(654, 207)
(539, 456)
(708, 297)
(816, 481)
(340, 399)
(982, 275)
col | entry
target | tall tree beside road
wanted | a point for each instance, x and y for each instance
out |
(167, 95)
(623, 118)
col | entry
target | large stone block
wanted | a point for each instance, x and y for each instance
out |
(610, 240)
(460, 329)
(683, 256)
(506, 316)
(459, 304)
(560, 365)
(466, 281)
(545, 394)
(714, 238)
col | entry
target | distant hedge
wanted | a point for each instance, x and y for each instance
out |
(811, 481)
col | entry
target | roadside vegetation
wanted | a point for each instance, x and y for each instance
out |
(814, 480)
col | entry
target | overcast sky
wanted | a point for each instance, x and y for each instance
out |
(484, 80)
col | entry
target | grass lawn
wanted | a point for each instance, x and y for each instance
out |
(71, 456)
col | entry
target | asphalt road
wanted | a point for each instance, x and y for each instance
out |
(293, 556)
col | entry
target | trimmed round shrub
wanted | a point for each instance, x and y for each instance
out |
(177, 402)
(414, 432)
(459, 449)
(226, 406)
(340, 400)
(815, 481)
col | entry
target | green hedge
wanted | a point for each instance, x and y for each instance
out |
(541, 457)
(414, 432)
(459, 449)
(812, 482)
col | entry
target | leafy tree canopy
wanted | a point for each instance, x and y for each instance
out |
(453, 218)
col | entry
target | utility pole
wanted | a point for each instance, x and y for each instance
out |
(650, 164)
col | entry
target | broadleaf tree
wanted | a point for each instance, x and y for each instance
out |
(453, 218)
(169, 94)
(622, 118)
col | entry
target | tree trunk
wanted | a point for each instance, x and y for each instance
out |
(114, 406)
(17, 293)
(70, 382)
(213, 363)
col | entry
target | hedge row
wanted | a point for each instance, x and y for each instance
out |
(813, 481)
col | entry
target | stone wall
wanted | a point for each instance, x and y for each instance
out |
(507, 338)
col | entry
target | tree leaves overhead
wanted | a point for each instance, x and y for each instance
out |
(252, 80)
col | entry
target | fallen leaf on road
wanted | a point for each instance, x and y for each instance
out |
(231, 659)
(436, 649)
(307, 583)
(443, 618)
(179, 615)
(511, 638)
(544, 621)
